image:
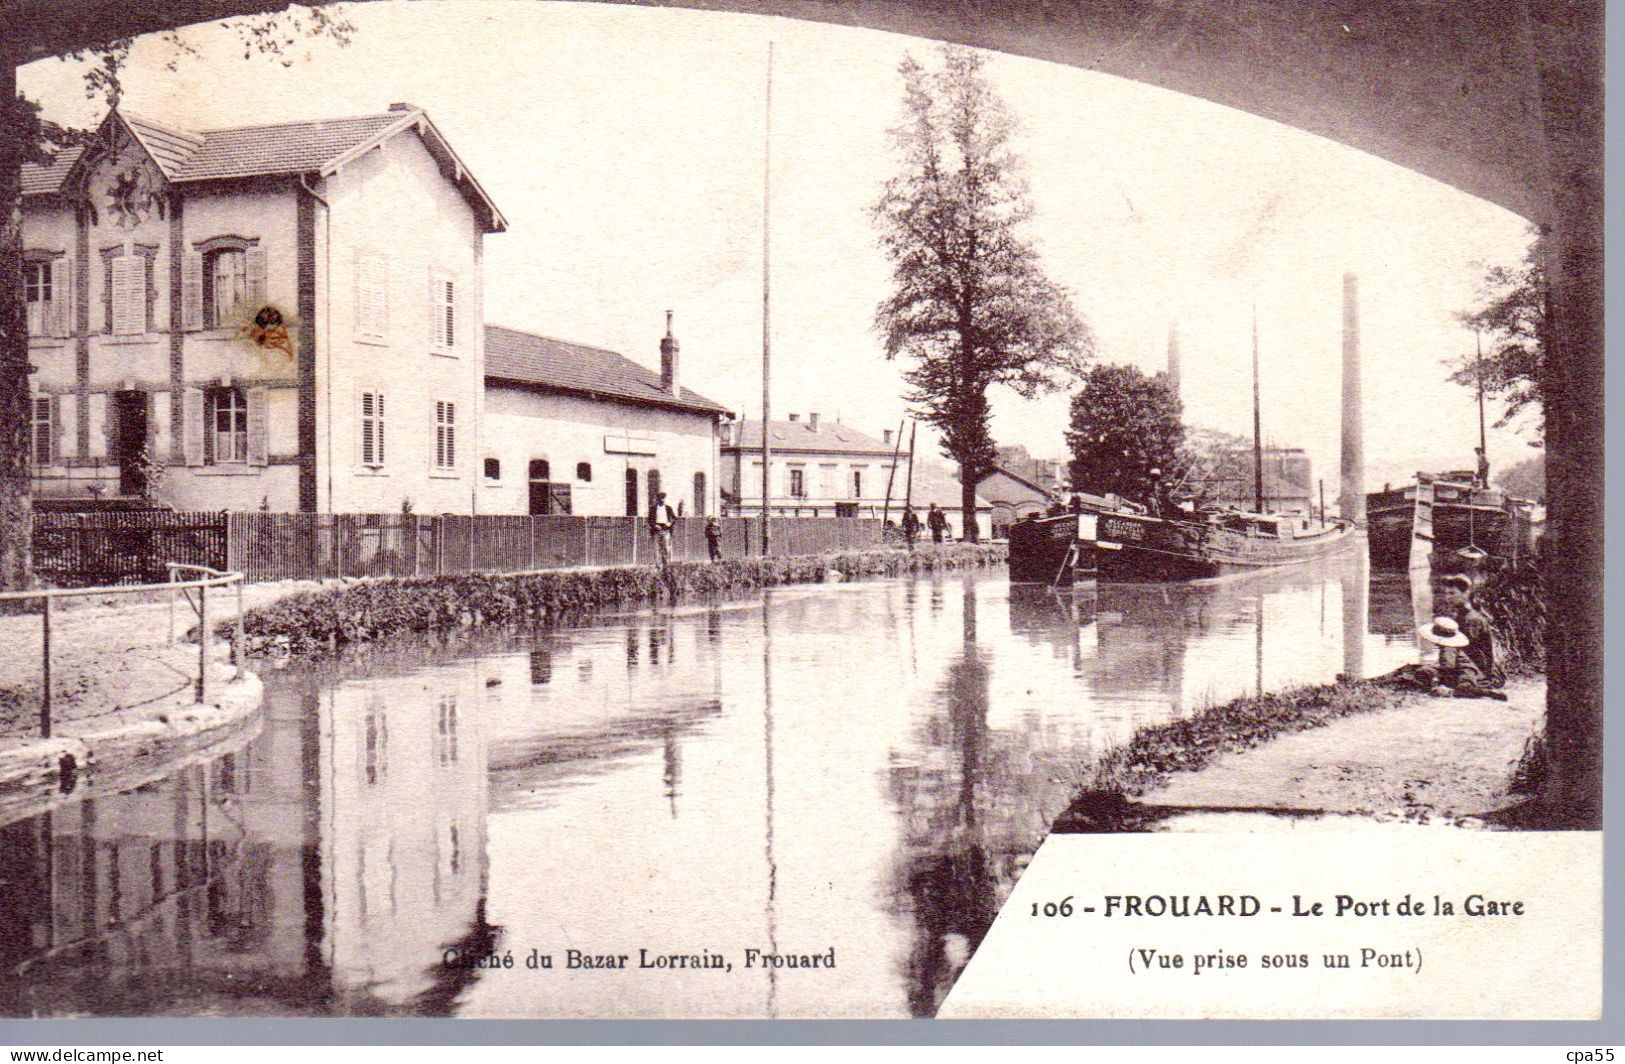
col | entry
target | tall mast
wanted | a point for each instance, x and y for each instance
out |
(1478, 372)
(1258, 432)
(767, 288)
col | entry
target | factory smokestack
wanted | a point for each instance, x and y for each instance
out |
(1173, 356)
(1351, 506)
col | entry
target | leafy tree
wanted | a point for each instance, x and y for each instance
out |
(1512, 320)
(1125, 424)
(1525, 479)
(25, 136)
(970, 306)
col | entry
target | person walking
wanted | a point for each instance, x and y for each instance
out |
(661, 521)
(713, 538)
(937, 521)
(911, 526)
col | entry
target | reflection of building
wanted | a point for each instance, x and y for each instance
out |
(574, 429)
(327, 864)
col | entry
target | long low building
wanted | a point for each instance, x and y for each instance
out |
(572, 429)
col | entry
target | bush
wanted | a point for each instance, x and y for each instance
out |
(316, 622)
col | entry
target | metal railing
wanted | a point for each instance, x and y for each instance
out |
(211, 578)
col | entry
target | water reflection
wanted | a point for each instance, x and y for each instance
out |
(862, 767)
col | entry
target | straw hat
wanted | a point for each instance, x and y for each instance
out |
(1444, 631)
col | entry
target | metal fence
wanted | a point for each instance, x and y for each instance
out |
(267, 546)
(133, 547)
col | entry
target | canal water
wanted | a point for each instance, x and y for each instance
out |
(860, 769)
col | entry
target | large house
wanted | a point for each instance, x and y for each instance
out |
(284, 316)
(577, 429)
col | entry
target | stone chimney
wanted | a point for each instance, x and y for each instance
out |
(668, 361)
(1351, 506)
(885, 436)
(795, 417)
(812, 422)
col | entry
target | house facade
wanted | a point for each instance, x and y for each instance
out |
(1011, 497)
(572, 429)
(818, 469)
(232, 319)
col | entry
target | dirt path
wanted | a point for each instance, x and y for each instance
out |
(1428, 758)
(111, 659)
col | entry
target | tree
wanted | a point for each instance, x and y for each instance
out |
(970, 304)
(1525, 479)
(1512, 322)
(25, 136)
(1125, 424)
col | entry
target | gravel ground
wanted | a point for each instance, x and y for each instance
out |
(1426, 759)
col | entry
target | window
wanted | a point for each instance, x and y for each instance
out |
(584, 471)
(42, 431)
(445, 435)
(631, 493)
(493, 469)
(226, 414)
(699, 494)
(225, 286)
(371, 297)
(857, 483)
(541, 469)
(125, 288)
(826, 482)
(37, 291)
(654, 486)
(372, 429)
(443, 313)
(798, 483)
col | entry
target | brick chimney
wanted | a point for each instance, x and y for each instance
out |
(812, 422)
(885, 436)
(795, 417)
(668, 361)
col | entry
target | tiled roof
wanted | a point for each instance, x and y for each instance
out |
(800, 436)
(39, 180)
(525, 358)
(281, 148)
(285, 148)
(933, 484)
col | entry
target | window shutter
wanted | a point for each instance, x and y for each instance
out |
(56, 429)
(259, 446)
(378, 425)
(59, 324)
(364, 430)
(193, 426)
(437, 313)
(135, 294)
(256, 280)
(122, 321)
(192, 291)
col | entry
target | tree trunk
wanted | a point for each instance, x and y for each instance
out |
(15, 507)
(967, 506)
(1569, 54)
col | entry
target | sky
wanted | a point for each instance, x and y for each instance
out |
(625, 146)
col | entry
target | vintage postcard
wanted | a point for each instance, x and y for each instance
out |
(768, 509)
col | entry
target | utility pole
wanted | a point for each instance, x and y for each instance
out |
(767, 288)
(1258, 432)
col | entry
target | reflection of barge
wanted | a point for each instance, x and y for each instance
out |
(1449, 517)
(1124, 545)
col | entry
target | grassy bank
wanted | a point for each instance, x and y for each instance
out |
(1155, 753)
(322, 621)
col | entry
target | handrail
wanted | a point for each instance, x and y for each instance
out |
(212, 578)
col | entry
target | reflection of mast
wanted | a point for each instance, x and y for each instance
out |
(767, 747)
(1258, 432)
(1258, 645)
(1356, 614)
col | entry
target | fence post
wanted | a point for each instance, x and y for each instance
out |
(439, 524)
(203, 641)
(171, 639)
(530, 555)
(45, 669)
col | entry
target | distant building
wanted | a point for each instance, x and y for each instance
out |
(577, 429)
(1011, 497)
(1289, 485)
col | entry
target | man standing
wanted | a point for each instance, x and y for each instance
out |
(713, 538)
(661, 520)
(937, 522)
(911, 526)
